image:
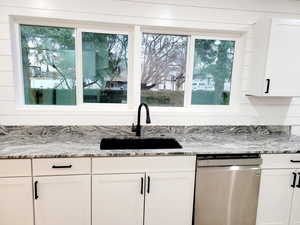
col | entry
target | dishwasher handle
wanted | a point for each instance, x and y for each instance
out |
(229, 162)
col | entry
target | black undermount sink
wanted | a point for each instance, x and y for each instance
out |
(138, 143)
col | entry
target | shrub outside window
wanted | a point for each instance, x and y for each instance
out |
(212, 71)
(105, 67)
(48, 61)
(163, 69)
(176, 70)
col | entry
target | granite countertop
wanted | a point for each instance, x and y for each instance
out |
(86, 144)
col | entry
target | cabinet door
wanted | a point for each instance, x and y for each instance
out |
(295, 214)
(169, 198)
(118, 199)
(275, 197)
(62, 200)
(16, 204)
(283, 60)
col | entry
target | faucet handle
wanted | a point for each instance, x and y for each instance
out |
(133, 128)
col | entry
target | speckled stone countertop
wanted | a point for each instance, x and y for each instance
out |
(48, 142)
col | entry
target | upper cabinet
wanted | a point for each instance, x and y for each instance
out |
(275, 63)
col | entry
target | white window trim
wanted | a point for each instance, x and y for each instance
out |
(234, 86)
(134, 67)
(79, 70)
(233, 105)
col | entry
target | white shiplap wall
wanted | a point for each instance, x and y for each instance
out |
(205, 14)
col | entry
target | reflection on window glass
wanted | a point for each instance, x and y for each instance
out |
(48, 58)
(213, 61)
(163, 69)
(105, 67)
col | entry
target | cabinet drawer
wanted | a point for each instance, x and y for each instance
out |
(280, 161)
(15, 167)
(143, 164)
(61, 166)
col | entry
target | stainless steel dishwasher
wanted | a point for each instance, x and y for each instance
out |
(227, 189)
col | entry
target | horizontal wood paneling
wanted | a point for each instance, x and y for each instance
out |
(207, 14)
(282, 6)
(4, 30)
(6, 79)
(5, 63)
(7, 93)
(5, 47)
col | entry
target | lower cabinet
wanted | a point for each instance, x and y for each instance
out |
(143, 198)
(275, 197)
(169, 198)
(62, 200)
(118, 199)
(295, 212)
(279, 197)
(110, 191)
(16, 204)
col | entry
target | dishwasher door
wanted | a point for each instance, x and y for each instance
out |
(226, 195)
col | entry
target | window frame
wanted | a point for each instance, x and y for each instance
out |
(134, 33)
(233, 105)
(19, 75)
(79, 69)
(233, 101)
(170, 32)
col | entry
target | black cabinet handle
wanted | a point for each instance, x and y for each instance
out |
(36, 190)
(294, 180)
(142, 185)
(298, 185)
(148, 185)
(295, 161)
(61, 167)
(268, 86)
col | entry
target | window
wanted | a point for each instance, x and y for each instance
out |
(212, 71)
(105, 67)
(48, 58)
(177, 70)
(163, 69)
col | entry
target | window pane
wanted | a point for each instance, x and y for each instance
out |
(105, 67)
(163, 69)
(213, 61)
(48, 57)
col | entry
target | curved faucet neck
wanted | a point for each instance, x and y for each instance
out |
(148, 120)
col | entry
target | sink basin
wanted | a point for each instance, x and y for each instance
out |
(138, 143)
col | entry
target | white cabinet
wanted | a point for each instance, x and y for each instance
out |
(295, 211)
(161, 190)
(279, 196)
(62, 200)
(275, 197)
(115, 191)
(118, 199)
(169, 198)
(275, 63)
(16, 204)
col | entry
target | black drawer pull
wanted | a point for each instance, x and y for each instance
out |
(295, 161)
(294, 180)
(35, 190)
(148, 185)
(142, 185)
(61, 167)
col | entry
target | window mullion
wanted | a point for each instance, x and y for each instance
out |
(79, 79)
(189, 72)
(135, 78)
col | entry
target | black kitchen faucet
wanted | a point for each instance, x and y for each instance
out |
(138, 127)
